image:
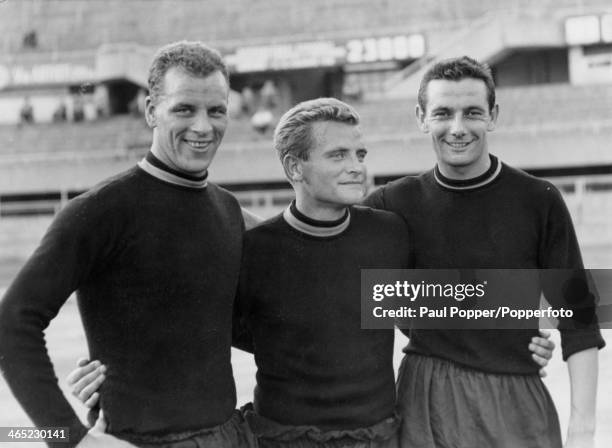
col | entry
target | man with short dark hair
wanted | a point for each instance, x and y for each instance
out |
(153, 255)
(465, 388)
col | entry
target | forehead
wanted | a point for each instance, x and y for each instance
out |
(179, 85)
(462, 93)
(330, 135)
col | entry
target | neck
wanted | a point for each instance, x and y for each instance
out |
(468, 171)
(320, 212)
(471, 182)
(160, 170)
(315, 227)
(171, 166)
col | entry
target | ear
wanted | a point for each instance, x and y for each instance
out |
(494, 114)
(293, 168)
(420, 117)
(150, 112)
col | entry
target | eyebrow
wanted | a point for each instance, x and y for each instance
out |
(344, 149)
(182, 104)
(440, 109)
(446, 109)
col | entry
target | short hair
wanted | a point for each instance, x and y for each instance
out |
(456, 69)
(293, 132)
(194, 58)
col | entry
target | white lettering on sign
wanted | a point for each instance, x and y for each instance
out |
(45, 74)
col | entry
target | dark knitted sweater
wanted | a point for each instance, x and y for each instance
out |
(155, 267)
(504, 219)
(299, 296)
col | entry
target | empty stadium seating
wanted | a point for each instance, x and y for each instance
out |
(110, 134)
(532, 108)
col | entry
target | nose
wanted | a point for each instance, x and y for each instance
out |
(458, 126)
(201, 123)
(355, 165)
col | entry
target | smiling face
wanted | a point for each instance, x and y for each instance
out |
(458, 118)
(334, 174)
(189, 120)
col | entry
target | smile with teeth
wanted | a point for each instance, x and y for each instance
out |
(197, 144)
(458, 145)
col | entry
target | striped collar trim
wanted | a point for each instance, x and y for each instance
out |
(154, 171)
(317, 231)
(471, 186)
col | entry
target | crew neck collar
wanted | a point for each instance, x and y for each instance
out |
(315, 227)
(469, 184)
(156, 168)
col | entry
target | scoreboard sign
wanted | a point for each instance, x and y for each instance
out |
(315, 54)
(398, 48)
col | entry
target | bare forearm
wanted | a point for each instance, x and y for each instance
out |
(583, 370)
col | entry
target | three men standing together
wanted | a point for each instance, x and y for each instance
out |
(155, 254)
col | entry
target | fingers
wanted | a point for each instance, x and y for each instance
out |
(83, 368)
(539, 354)
(82, 362)
(89, 384)
(542, 346)
(545, 334)
(542, 362)
(100, 422)
(91, 402)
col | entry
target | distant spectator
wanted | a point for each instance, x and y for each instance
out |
(89, 108)
(269, 95)
(101, 101)
(262, 120)
(136, 107)
(60, 113)
(78, 109)
(248, 100)
(27, 111)
(30, 39)
(234, 104)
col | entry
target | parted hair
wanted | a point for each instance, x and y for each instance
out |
(293, 133)
(193, 57)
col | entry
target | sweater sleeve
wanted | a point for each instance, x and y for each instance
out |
(63, 259)
(566, 282)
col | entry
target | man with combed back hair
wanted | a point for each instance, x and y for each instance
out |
(322, 381)
(480, 388)
(154, 256)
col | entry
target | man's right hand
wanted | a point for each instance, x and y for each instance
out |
(97, 438)
(86, 380)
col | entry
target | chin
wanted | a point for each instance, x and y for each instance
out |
(460, 160)
(351, 199)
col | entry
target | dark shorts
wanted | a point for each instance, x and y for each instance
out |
(445, 405)
(234, 433)
(271, 434)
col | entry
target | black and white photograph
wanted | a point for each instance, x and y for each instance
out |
(206, 208)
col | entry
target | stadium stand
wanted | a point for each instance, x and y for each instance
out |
(545, 115)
